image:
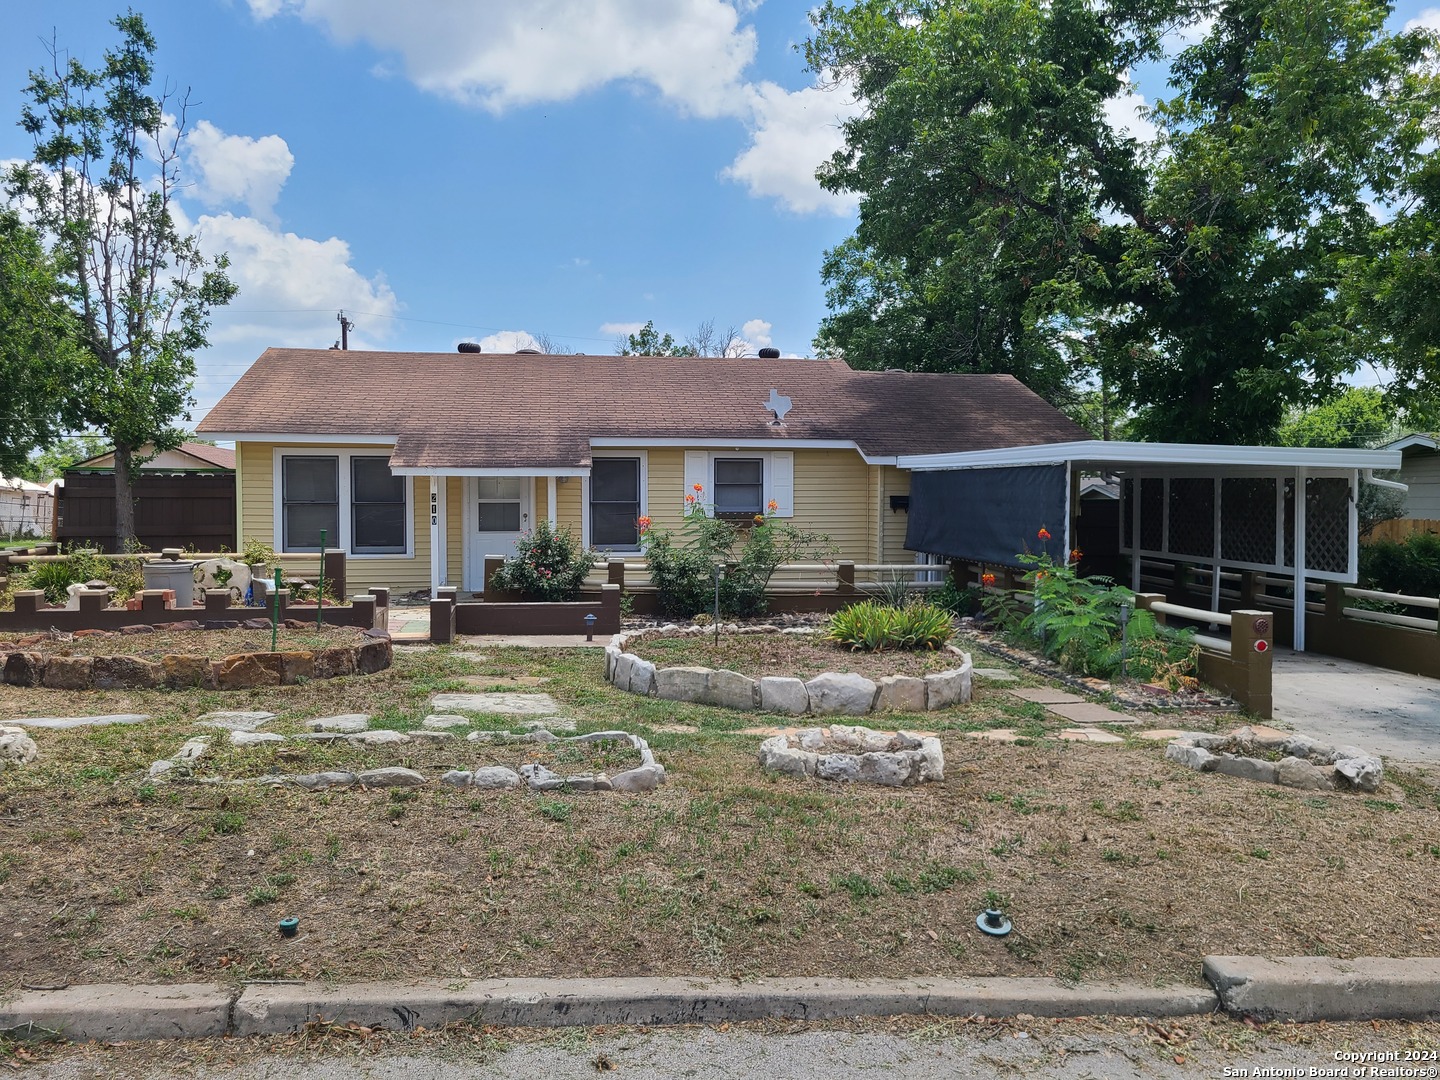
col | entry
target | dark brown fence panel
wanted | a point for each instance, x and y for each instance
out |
(180, 510)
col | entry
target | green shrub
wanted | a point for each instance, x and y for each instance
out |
(549, 565)
(871, 626)
(683, 573)
(954, 599)
(1410, 566)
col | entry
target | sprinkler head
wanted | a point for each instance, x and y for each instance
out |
(992, 921)
(289, 927)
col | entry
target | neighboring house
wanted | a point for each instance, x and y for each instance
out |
(184, 497)
(26, 509)
(1420, 469)
(420, 464)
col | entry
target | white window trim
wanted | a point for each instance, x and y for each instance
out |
(768, 492)
(585, 530)
(345, 540)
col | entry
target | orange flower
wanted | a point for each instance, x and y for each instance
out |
(689, 498)
(643, 524)
(1075, 554)
(772, 506)
(759, 519)
(698, 487)
(1044, 533)
(987, 580)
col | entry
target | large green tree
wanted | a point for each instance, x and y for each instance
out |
(38, 355)
(1004, 220)
(101, 187)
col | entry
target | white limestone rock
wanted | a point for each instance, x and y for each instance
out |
(392, 776)
(16, 746)
(346, 723)
(254, 738)
(785, 696)
(681, 683)
(845, 694)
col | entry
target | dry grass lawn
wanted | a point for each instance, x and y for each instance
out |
(1111, 861)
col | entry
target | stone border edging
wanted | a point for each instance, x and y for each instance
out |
(1302, 989)
(242, 671)
(1308, 765)
(827, 694)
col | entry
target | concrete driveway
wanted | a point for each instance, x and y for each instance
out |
(1340, 701)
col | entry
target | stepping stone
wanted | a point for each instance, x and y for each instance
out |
(995, 674)
(1262, 731)
(1002, 734)
(1044, 695)
(1163, 734)
(235, 721)
(346, 722)
(439, 722)
(254, 738)
(62, 722)
(503, 680)
(1089, 734)
(550, 723)
(430, 736)
(504, 704)
(319, 736)
(380, 737)
(1087, 712)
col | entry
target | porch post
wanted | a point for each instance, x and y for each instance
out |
(440, 553)
(435, 574)
(1134, 531)
(551, 483)
(1299, 560)
(585, 511)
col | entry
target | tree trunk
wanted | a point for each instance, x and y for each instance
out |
(124, 499)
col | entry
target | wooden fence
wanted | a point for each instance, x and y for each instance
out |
(182, 510)
(1400, 528)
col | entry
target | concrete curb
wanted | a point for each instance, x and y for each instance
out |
(561, 1002)
(1296, 988)
(113, 1012)
(1309, 988)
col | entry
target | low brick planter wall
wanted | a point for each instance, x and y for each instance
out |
(828, 694)
(243, 671)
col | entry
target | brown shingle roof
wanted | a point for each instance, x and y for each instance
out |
(472, 410)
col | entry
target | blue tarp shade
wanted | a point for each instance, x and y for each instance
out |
(989, 515)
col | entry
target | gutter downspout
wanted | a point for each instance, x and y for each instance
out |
(1368, 475)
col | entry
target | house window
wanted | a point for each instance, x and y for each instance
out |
(739, 485)
(312, 502)
(499, 500)
(377, 508)
(614, 502)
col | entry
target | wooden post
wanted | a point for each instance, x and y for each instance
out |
(492, 564)
(615, 572)
(845, 578)
(364, 611)
(334, 570)
(1252, 640)
(29, 601)
(218, 600)
(442, 621)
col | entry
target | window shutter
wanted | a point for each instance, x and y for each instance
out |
(697, 468)
(782, 481)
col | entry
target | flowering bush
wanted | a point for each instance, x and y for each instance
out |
(549, 565)
(683, 572)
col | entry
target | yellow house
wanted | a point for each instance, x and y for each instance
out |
(418, 465)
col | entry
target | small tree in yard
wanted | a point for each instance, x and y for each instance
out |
(100, 188)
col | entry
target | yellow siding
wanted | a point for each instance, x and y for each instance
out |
(665, 487)
(834, 495)
(894, 482)
(454, 530)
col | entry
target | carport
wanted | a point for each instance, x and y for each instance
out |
(1202, 505)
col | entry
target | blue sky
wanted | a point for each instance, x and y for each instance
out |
(450, 170)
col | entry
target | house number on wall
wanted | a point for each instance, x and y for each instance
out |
(434, 508)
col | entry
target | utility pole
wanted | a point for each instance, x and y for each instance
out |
(345, 327)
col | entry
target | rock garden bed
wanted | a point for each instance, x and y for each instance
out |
(829, 693)
(856, 754)
(232, 656)
(1274, 757)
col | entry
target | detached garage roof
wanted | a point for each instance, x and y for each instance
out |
(1119, 457)
(514, 411)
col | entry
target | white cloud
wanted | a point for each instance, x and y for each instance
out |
(1429, 19)
(792, 133)
(757, 334)
(626, 328)
(505, 53)
(238, 169)
(508, 341)
(1127, 113)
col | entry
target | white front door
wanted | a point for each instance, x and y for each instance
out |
(497, 511)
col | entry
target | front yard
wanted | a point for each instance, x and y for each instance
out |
(1111, 861)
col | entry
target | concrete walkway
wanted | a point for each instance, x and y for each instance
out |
(1339, 701)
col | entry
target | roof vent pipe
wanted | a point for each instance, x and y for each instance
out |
(769, 354)
(468, 346)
